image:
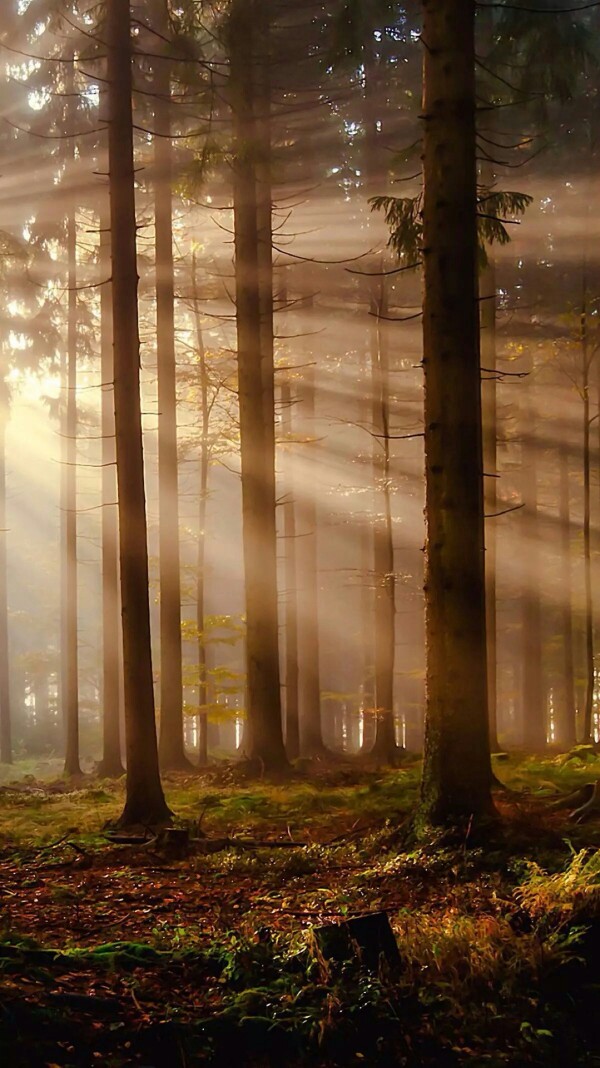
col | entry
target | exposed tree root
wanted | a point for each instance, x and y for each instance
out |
(573, 800)
(177, 843)
(590, 807)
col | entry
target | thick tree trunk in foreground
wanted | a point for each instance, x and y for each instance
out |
(171, 743)
(456, 772)
(264, 733)
(145, 802)
(111, 764)
(5, 709)
(71, 675)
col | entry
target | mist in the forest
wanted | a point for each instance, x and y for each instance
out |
(331, 254)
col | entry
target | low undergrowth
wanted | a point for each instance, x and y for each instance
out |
(121, 955)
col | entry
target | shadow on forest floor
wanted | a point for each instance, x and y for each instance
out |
(124, 954)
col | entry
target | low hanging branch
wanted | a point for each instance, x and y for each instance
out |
(404, 218)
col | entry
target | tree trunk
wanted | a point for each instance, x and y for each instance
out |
(171, 741)
(111, 765)
(44, 725)
(311, 737)
(567, 725)
(587, 535)
(486, 22)
(456, 773)
(264, 734)
(201, 554)
(535, 721)
(370, 166)
(487, 291)
(145, 802)
(292, 725)
(71, 697)
(5, 709)
(366, 570)
(385, 747)
(580, 681)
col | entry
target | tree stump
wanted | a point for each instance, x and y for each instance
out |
(174, 842)
(366, 941)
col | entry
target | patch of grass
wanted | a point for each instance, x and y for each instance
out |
(39, 817)
(567, 893)
(543, 776)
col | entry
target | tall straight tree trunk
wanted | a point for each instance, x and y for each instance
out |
(203, 502)
(71, 675)
(171, 739)
(264, 220)
(370, 166)
(486, 20)
(292, 723)
(311, 735)
(456, 781)
(5, 709)
(144, 802)
(43, 717)
(535, 722)
(264, 735)
(487, 292)
(385, 748)
(366, 568)
(201, 581)
(587, 534)
(567, 726)
(111, 764)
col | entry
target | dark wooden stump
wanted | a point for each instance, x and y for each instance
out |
(175, 842)
(367, 941)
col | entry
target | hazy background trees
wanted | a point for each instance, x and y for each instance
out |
(282, 381)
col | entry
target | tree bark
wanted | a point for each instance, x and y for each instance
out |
(535, 723)
(311, 736)
(171, 739)
(264, 734)
(486, 21)
(292, 723)
(44, 723)
(385, 748)
(201, 553)
(490, 466)
(567, 725)
(71, 697)
(456, 774)
(6, 755)
(145, 802)
(587, 533)
(370, 166)
(111, 765)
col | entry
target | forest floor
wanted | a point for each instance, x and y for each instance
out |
(135, 954)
